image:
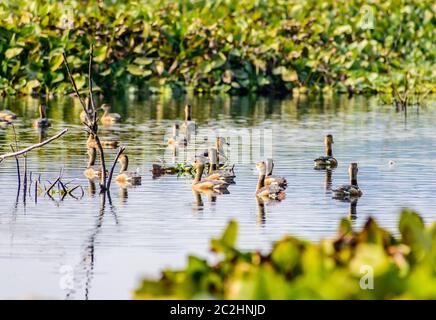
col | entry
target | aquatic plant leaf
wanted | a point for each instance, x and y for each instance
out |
(13, 52)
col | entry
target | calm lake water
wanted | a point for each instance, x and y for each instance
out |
(77, 250)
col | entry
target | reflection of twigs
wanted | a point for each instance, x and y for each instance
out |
(52, 185)
(25, 178)
(18, 170)
(38, 145)
(120, 151)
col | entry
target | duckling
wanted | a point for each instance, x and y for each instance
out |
(271, 192)
(7, 115)
(270, 179)
(188, 125)
(106, 144)
(108, 118)
(42, 121)
(351, 190)
(214, 174)
(92, 171)
(127, 177)
(201, 185)
(326, 161)
(175, 140)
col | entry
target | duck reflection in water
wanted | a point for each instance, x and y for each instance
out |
(211, 195)
(42, 134)
(91, 188)
(261, 215)
(352, 213)
(328, 180)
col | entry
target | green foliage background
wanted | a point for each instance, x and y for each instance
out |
(402, 267)
(217, 45)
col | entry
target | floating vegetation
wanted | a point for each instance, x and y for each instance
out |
(217, 46)
(369, 264)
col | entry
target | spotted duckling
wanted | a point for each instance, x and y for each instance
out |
(351, 190)
(107, 117)
(176, 140)
(201, 185)
(270, 179)
(214, 174)
(92, 171)
(271, 192)
(127, 177)
(42, 121)
(7, 115)
(327, 161)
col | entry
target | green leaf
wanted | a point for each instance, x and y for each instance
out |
(230, 234)
(13, 52)
(55, 62)
(135, 70)
(143, 61)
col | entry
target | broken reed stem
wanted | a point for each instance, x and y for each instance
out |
(91, 96)
(91, 124)
(73, 82)
(38, 145)
(120, 151)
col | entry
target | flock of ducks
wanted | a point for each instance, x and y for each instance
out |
(212, 172)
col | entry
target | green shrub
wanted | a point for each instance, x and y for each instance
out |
(402, 267)
(217, 46)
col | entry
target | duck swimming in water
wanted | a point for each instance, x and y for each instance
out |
(107, 117)
(351, 190)
(42, 121)
(201, 185)
(271, 192)
(92, 171)
(214, 174)
(270, 179)
(127, 177)
(7, 115)
(327, 161)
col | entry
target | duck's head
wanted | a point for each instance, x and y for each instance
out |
(353, 169)
(261, 167)
(213, 156)
(176, 129)
(198, 163)
(124, 162)
(269, 163)
(329, 139)
(105, 107)
(221, 141)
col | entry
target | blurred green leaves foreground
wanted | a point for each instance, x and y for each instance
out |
(219, 45)
(370, 264)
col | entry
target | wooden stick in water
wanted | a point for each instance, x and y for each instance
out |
(120, 151)
(38, 145)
